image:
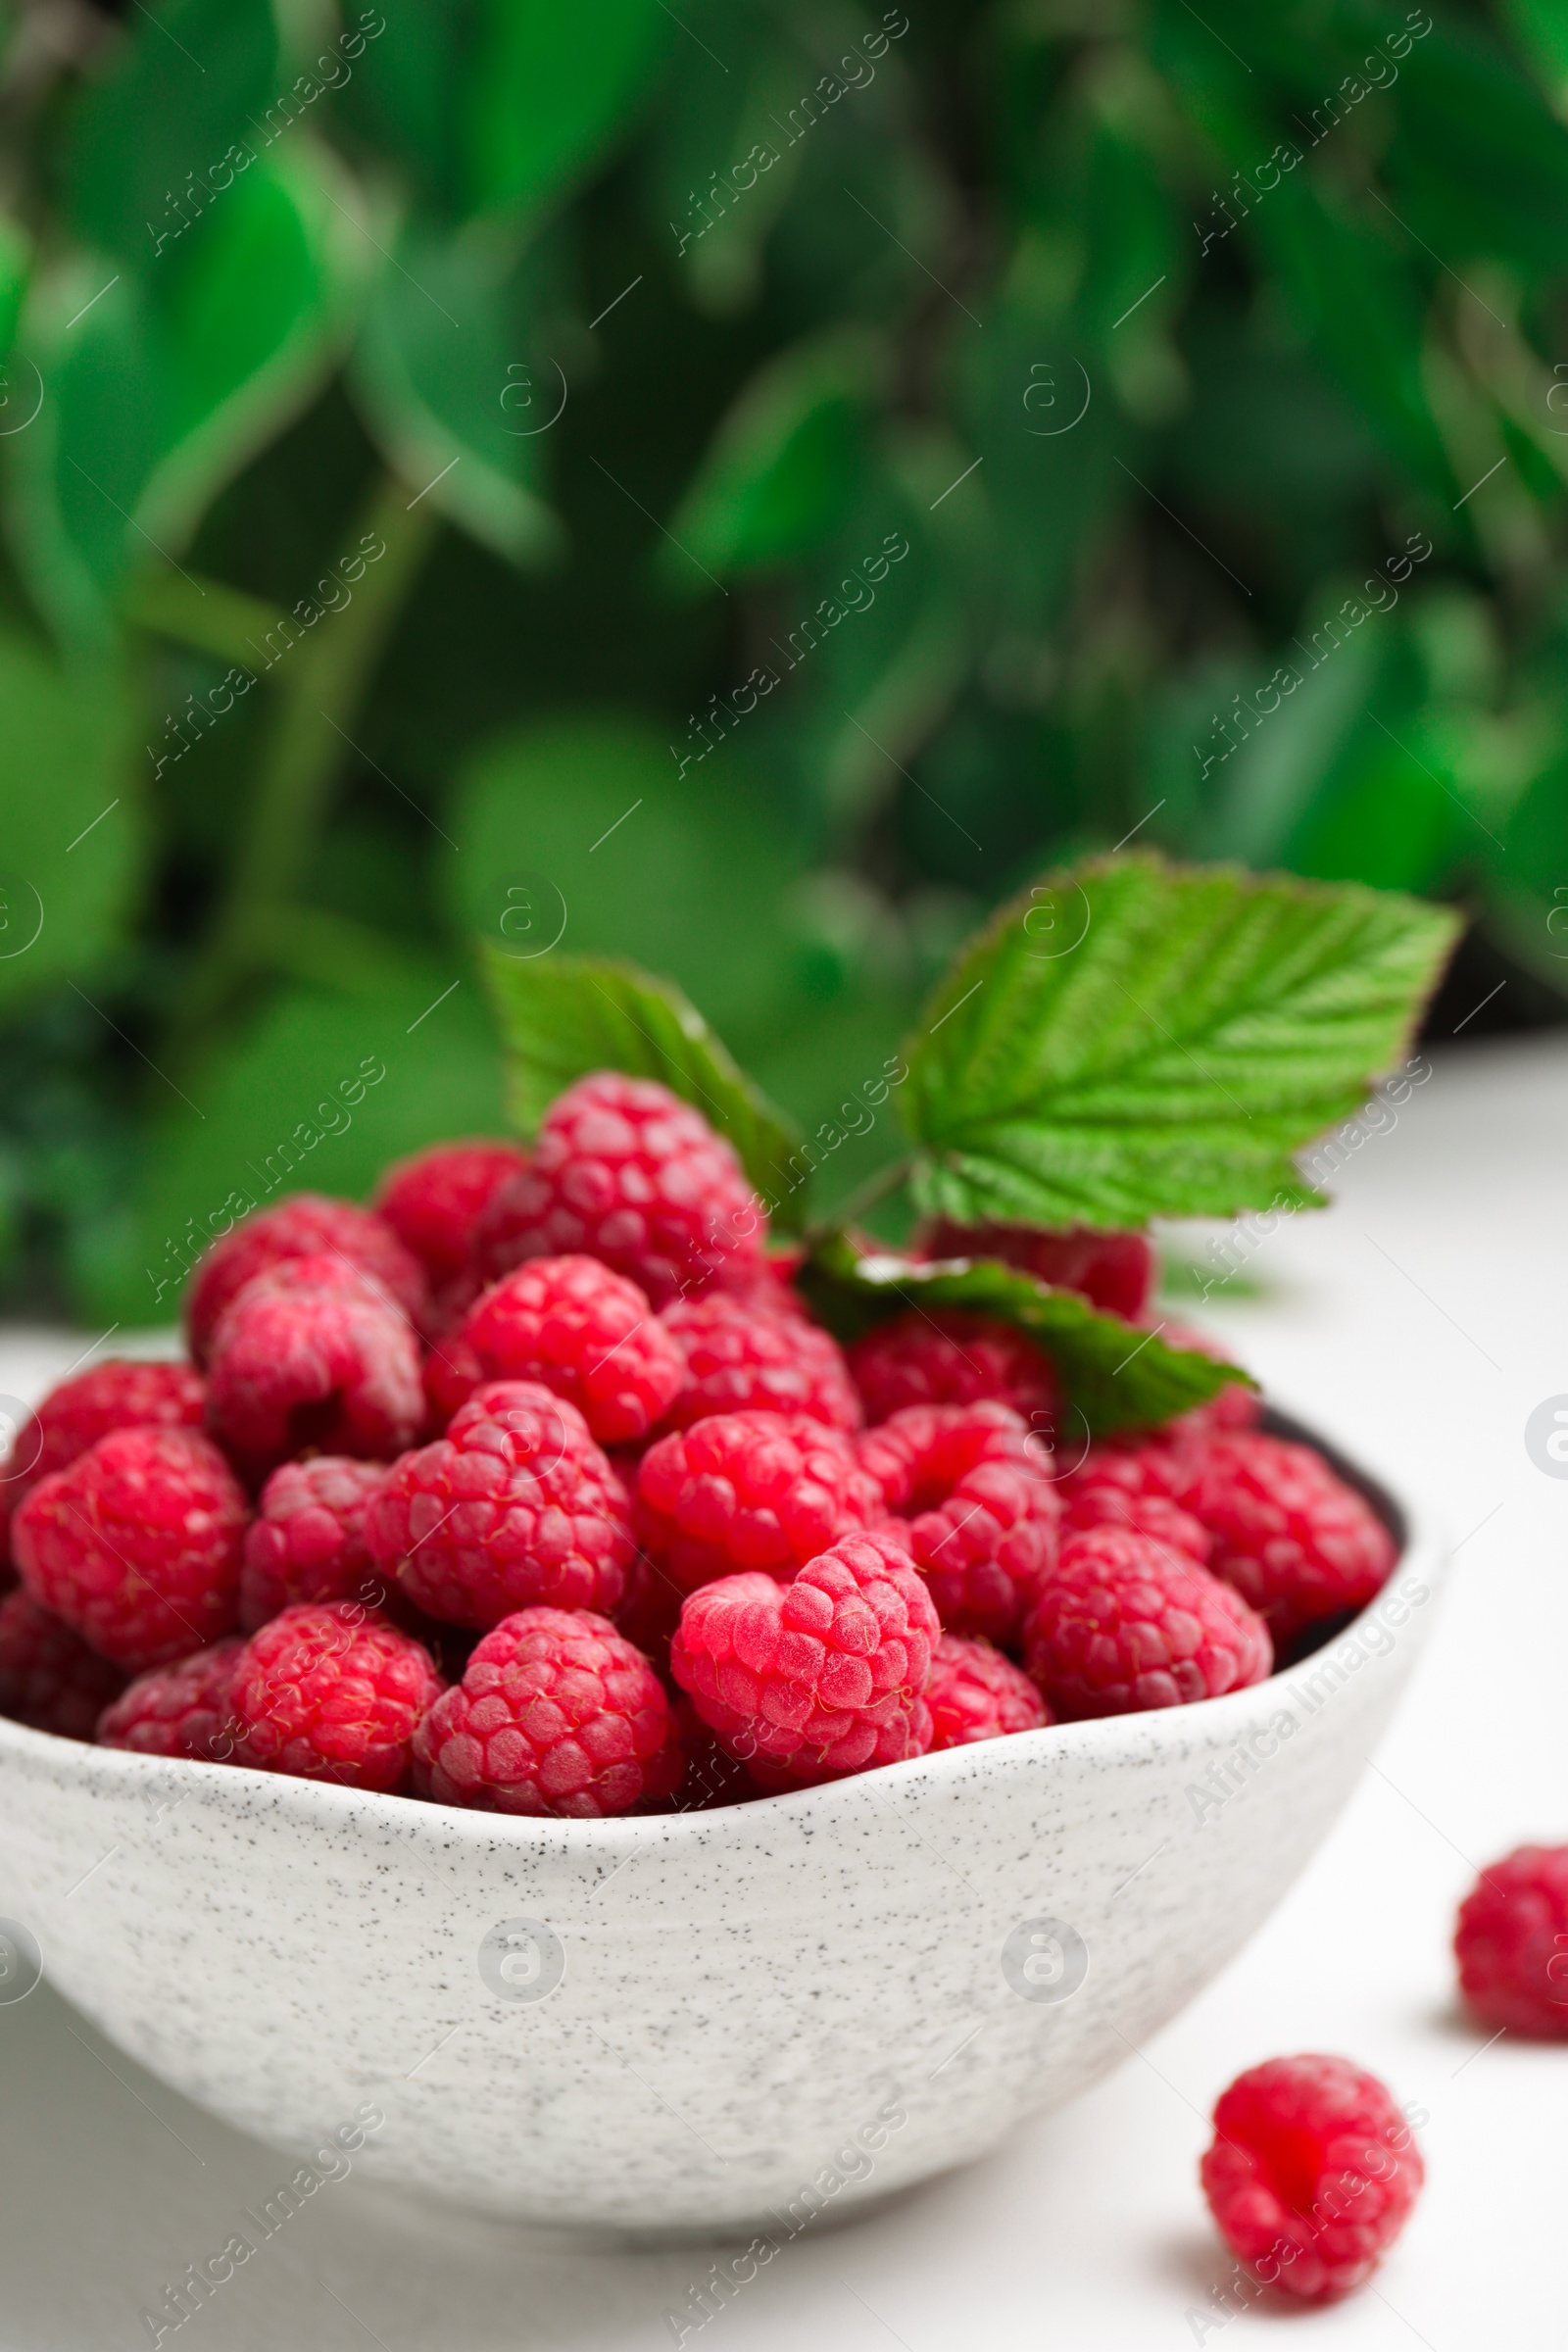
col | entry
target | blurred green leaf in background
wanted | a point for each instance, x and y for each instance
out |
(739, 490)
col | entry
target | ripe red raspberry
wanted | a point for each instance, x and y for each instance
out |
(1290, 1534)
(434, 1200)
(116, 1393)
(136, 1544)
(1311, 2175)
(178, 1710)
(1511, 1942)
(976, 1694)
(514, 1506)
(946, 1356)
(745, 1490)
(1235, 1407)
(626, 1171)
(556, 1713)
(825, 1676)
(583, 1332)
(305, 1225)
(331, 1691)
(1116, 1271)
(1134, 1487)
(307, 1541)
(49, 1678)
(1122, 1624)
(744, 1354)
(310, 1356)
(982, 1508)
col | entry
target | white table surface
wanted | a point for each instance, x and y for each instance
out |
(1420, 1320)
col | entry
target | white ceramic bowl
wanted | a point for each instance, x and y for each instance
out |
(690, 2022)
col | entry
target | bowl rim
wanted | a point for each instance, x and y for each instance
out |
(543, 1837)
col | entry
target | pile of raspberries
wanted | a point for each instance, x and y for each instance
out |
(535, 1488)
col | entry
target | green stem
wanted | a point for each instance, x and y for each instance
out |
(320, 682)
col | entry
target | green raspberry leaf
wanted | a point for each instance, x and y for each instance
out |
(1132, 1040)
(1116, 1375)
(561, 1016)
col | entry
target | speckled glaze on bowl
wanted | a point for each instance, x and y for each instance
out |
(701, 2022)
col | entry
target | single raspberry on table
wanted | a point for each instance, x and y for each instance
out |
(809, 1681)
(178, 1710)
(49, 1678)
(1121, 1624)
(625, 1171)
(310, 1356)
(306, 1539)
(749, 1490)
(746, 1354)
(1287, 1533)
(1312, 2175)
(515, 1507)
(1115, 1271)
(331, 1691)
(947, 1355)
(556, 1713)
(1511, 1944)
(981, 1509)
(136, 1544)
(117, 1393)
(305, 1225)
(582, 1331)
(976, 1694)
(433, 1200)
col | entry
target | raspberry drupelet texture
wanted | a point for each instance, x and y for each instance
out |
(310, 1356)
(556, 1713)
(329, 1691)
(1122, 1623)
(1511, 1944)
(1287, 1533)
(1312, 2175)
(625, 1171)
(49, 1678)
(116, 1393)
(178, 1710)
(946, 1356)
(305, 1225)
(1134, 1487)
(1114, 1271)
(749, 1490)
(306, 1539)
(515, 1507)
(982, 1510)
(136, 1544)
(976, 1694)
(433, 1200)
(746, 1354)
(583, 1332)
(809, 1681)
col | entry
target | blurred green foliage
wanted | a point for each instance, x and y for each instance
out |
(741, 488)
